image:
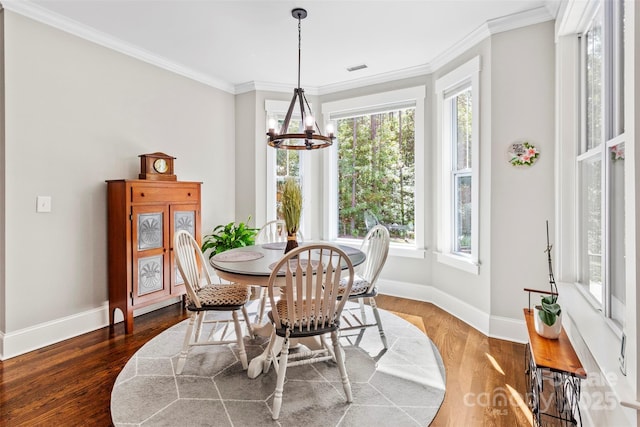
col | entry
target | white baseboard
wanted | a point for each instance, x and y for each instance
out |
(28, 339)
(34, 337)
(44, 334)
(506, 328)
(492, 326)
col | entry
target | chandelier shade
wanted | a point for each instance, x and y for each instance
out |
(310, 137)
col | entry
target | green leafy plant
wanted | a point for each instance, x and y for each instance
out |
(291, 205)
(549, 310)
(230, 236)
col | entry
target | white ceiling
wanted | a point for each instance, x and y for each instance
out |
(235, 42)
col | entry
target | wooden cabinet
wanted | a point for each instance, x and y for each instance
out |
(142, 218)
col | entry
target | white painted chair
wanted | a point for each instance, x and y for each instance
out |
(309, 307)
(272, 232)
(376, 246)
(203, 296)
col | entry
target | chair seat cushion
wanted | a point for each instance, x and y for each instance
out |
(300, 324)
(360, 285)
(223, 295)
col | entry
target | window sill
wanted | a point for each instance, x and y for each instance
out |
(395, 250)
(597, 340)
(459, 262)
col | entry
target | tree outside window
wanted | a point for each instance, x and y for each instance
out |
(376, 168)
(461, 170)
(287, 165)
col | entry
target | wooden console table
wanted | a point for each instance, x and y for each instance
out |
(555, 364)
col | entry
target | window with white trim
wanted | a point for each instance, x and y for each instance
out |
(458, 99)
(282, 164)
(375, 169)
(600, 163)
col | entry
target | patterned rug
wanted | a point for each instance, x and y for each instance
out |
(402, 386)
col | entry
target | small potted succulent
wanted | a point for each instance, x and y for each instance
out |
(230, 236)
(291, 210)
(548, 315)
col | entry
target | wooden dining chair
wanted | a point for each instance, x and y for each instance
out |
(309, 307)
(376, 246)
(272, 232)
(203, 296)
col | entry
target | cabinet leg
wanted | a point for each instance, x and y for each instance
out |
(128, 321)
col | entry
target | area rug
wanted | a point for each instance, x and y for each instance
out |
(401, 386)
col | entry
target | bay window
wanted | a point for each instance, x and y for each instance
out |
(458, 125)
(600, 163)
(285, 164)
(375, 169)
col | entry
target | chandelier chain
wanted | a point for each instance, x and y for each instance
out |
(299, 47)
(310, 137)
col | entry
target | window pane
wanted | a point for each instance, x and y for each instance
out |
(591, 227)
(287, 165)
(462, 225)
(376, 174)
(462, 105)
(616, 233)
(594, 83)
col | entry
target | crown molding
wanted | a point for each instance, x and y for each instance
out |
(489, 28)
(419, 70)
(518, 20)
(70, 26)
(271, 87)
(495, 26)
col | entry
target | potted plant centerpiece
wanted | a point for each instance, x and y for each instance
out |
(291, 210)
(230, 236)
(548, 315)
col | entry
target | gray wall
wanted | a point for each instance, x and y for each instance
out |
(514, 202)
(89, 112)
(76, 115)
(522, 108)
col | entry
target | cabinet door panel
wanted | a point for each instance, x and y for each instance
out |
(149, 240)
(150, 231)
(150, 274)
(183, 217)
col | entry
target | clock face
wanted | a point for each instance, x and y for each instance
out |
(161, 166)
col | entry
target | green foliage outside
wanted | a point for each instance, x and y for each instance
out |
(376, 163)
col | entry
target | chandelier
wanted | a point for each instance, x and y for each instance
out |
(311, 138)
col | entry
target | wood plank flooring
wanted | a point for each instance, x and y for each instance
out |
(70, 383)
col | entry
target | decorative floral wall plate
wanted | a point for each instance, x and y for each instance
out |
(522, 154)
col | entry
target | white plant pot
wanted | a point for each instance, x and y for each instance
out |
(544, 330)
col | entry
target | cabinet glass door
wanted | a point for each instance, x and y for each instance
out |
(149, 242)
(183, 217)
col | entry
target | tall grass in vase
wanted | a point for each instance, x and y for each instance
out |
(291, 210)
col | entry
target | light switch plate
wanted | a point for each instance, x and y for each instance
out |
(43, 204)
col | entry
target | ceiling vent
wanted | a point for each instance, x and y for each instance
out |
(357, 67)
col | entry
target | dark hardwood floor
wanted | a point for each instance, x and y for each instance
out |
(69, 383)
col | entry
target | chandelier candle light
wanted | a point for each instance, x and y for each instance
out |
(312, 138)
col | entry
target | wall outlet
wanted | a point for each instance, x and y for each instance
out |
(43, 204)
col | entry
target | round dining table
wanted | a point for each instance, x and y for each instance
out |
(252, 266)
